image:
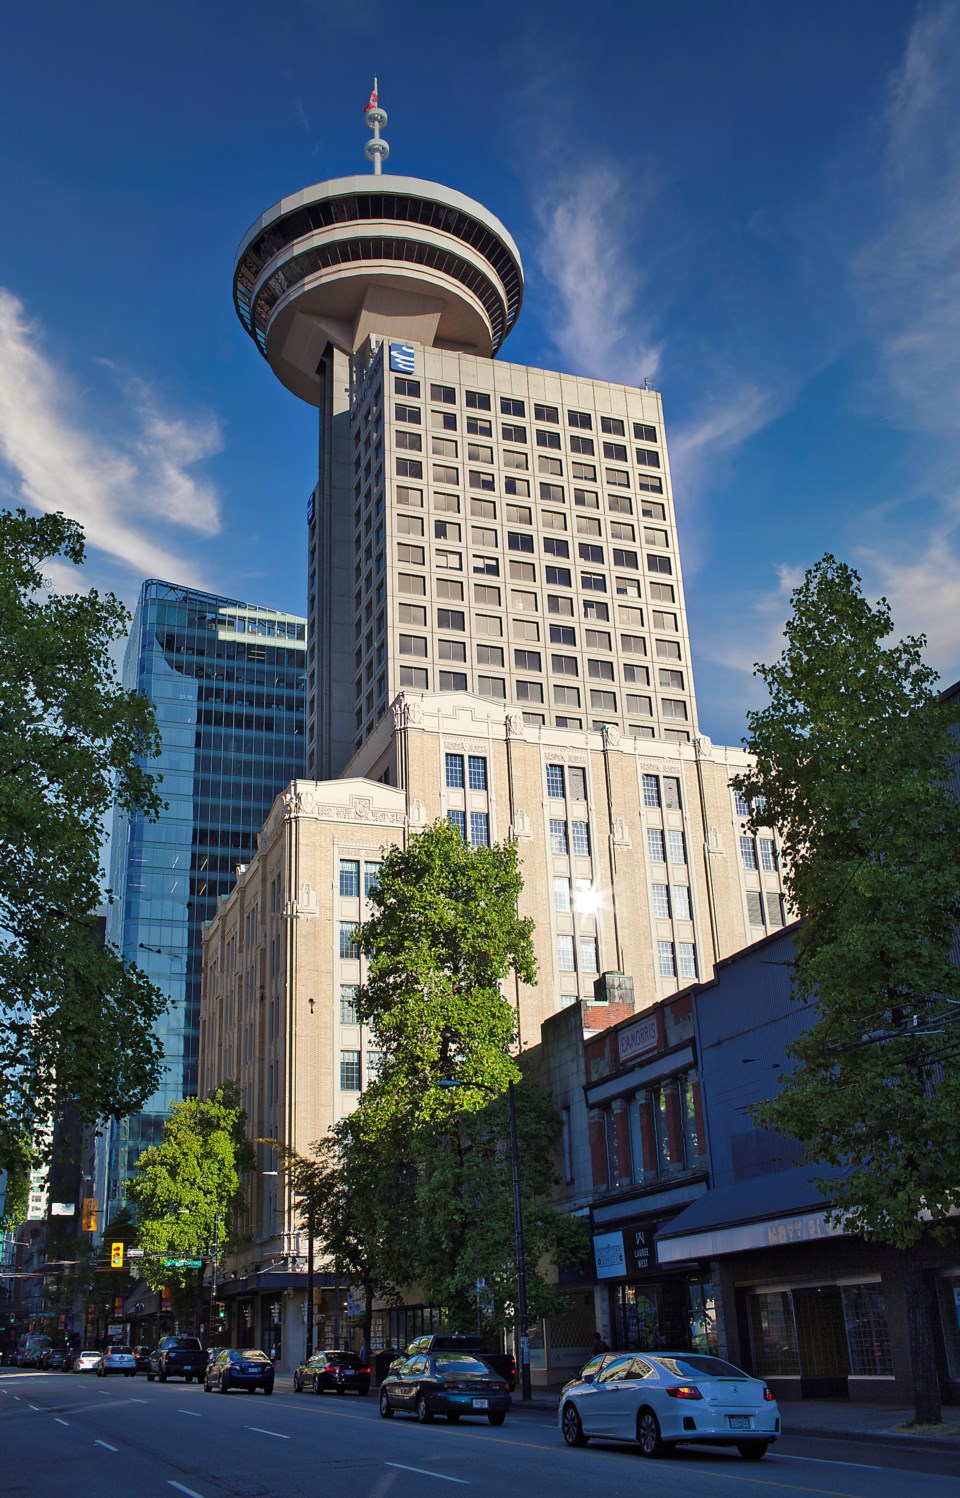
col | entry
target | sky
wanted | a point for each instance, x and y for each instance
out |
(754, 204)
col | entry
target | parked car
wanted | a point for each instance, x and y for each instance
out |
(239, 1368)
(502, 1363)
(141, 1356)
(30, 1348)
(658, 1399)
(117, 1360)
(53, 1358)
(445, 1383)
(86, 1361)
(338, 1371)
(177, 1357)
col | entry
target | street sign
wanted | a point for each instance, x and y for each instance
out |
(182, 1263)
(134, 1253)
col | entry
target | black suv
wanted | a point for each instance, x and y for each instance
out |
(177, 1357)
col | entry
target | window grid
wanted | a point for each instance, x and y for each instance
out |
(349, 878)
(477, 772)
(479, 829)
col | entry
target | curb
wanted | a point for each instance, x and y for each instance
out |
(878, 1438)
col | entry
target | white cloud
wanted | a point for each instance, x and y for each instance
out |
(52, 458)
(922, 585)
(585, 254)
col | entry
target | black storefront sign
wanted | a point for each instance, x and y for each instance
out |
(639, 1253)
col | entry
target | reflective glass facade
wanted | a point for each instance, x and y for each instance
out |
(227, 682)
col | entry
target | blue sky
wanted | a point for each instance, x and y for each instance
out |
(757, 205)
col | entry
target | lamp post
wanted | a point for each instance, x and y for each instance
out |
(301, 1197)
(523, 1336)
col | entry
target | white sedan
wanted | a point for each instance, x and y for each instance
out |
(87, 1361)
(660, 1398)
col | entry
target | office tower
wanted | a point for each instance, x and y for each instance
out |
(226, 680)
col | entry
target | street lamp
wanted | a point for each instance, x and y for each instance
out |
(310, 1268)
(522, 1333)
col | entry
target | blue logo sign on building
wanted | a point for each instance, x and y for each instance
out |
(402, 358)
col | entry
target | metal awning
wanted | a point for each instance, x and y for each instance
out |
(767, 1212)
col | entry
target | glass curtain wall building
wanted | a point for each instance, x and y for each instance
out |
(227, 681)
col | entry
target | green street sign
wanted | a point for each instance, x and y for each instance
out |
(182, 1263)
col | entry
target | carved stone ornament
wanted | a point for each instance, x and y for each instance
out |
(399, 713)
(292, 802)
(612, 736)
(715, 841)
(522, 828)
(654, 767)
(414, 710)
(307, 900)
(515, 725)
(621, 833)
(418, 813)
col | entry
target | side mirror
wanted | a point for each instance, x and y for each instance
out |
(588, 1378)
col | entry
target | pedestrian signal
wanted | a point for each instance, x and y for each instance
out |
(116, 1256)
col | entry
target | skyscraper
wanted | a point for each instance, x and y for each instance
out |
(226, 679)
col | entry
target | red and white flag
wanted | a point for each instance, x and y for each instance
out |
(373, 98)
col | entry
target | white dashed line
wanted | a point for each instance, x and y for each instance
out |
(261, 1432)
(181, 1489)
(61, 1422)
(106, 1446)
(139, 1401)
(195, 1414)
(424, 1473)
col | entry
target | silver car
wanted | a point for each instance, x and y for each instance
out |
(660, 1398)
(117, 1360)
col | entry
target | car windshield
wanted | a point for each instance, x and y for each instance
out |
(689, 1366)
(341, 1359)
(449, 1364)
(124, 1350)
(190, 1343)
(250, 1354)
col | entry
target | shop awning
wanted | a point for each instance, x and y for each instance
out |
(266, 1280)
(772, 1210)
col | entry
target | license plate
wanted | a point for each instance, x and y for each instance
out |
(739, 1422)
(481, 1404)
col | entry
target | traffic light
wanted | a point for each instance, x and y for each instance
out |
(116, 1256)
(221, 1312)
(88, 1220)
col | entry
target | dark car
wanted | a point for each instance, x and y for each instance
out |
(338, 1371)
(239, 1368)
(502, 1363)
(141, 1356)
(177, 1357)
(53, 1358)
(445, 1383)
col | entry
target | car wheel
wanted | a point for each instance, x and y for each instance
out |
(206, 1387)
(752, 1451)
(364, 1391)
(297, 1385)
(268, 1388)
(221, 1385)
(149, 1378)
(161, 1378)
(386, 1408)
(453, 1419)
(497, 1419)
(338, 1389)
(423, 1411)
(317, 1386)
(648, 1433)
(572, 1426)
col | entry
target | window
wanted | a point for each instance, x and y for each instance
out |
(581, 445)
(519, 515)
(546, 413)
(458, 819)
(577, 783)
(687, 954)
(647, 458)
(580, 839)
(623, 558)
(477, 772)
(443, 421)
(588, 553)
(411, 497)
(519, 541)
(748, 853)
(588, 526)
(672, 707)
(741, 805)
(563, 634)
(413, 676)
(451, 650)
(448, 502)
(560, 606)
(476, 400)
(453, 764)
(479, 829)
(587, 499)
(594, 609)
(511, 433)
(768, 855)
(350, 1071)
(666, 962)
(561, 892)
(483, 509)
(661, 901)
(616, 478)
(548, 439)
(669, 650)
(604, 702)
(671, 792)
(774, 905)
(754, 907)
(453, 681)
(588, 954)
(350, 878)
(349, 950)
(348, 1003)
(407, 413)
(406, 583)
(658, 564)
(599, 670)
(450, 619)
(633, 644)
(559, 577)
(580, 419)
(487, 566)
(627, 587)
(656, 851)
(526, 629)
(371, 873)
(411, 441)
(527, 660)
(558, 835)
(550, 465)
(593, 582)
(478, 452)
(615, 450)
(681, 902)
(489, 655)
(409, 468)
(670, 678)
(409, 525)
(555, 782)
(583, 471)
(529, 691)
(522, 602)
(443, 393)
(444, 475)
(484, 593)
(566, 697)
(651, 790)
(511, 407)
(565, 665)
(565, 955)
(412, 645)
(477, 427)
(445, 530)
(523, 572)
(492, 686)
(612, 425)
(406, 387)
(644, 433)
(488, 624)
(412, 613)
(677, 845)
(620, 504)
(477, 478)
(553, 493)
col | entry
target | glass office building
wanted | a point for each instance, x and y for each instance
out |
(227, 682)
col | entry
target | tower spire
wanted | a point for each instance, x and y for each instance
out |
(376, 149)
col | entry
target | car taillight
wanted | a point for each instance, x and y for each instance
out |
(768, 1397)
(331, 1368)
(684, 1391)
(363, 1370)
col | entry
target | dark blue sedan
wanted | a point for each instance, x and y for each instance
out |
(444, 1383)
(238, 1368)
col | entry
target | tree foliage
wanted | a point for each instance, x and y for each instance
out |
(852, 760)
(76, 1020)
(187, 1188)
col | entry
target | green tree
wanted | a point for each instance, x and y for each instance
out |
(187, 1188)
(852, 755)
(76, 1020)
(443, 936)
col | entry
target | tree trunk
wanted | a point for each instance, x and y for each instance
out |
(926, 1384)
(368, 1320)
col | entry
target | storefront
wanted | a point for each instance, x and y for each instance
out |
(649, 1307)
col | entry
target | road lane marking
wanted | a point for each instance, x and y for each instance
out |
(106, 1446)
(181, 1489)
(139, 1401)
(261, 1432)
(61, 1422)
(195, 1414)
(401, 1467)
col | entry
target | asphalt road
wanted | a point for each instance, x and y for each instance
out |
(121, 1437)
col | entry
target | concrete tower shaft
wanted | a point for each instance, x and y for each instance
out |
(395, 256)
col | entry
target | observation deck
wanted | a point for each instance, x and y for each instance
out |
(391, 255)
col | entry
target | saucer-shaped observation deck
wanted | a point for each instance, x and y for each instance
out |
(374, 254)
